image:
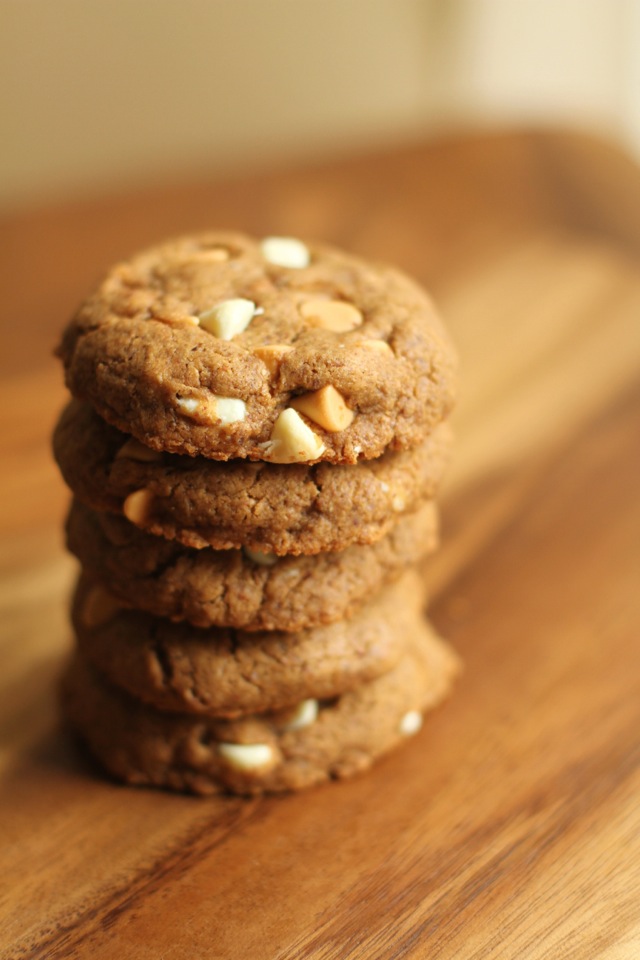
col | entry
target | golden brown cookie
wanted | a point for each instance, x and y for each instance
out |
(283, 751)
(225, 672)
(223, 346)
(239, 588)
(275, 508)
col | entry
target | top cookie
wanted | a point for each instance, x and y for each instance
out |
(222, 346)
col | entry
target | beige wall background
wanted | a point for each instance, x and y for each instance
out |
(100, 93)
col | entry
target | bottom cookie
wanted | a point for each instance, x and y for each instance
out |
(274, 752)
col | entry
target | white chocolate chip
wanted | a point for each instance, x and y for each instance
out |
(212, 409)
(398, 504)
(263, 559)
(137, 505)
(210, 255)
(179, 320)
(134, 450)
(411, 723)
(187, 405)
(305, 714)
(326, 407)
(246, 756)
(292, 441)
(378, 346)
(385, 486)
(336, 315)
(285, 252)
(230, 409)
(228, 318)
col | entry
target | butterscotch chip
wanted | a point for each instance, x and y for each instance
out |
(377, 346)
(137, 506)
(136, 345)
(141, 745)
(179, 320)
(134, 450)
(213, 255)
(99, 607)
(244, 589)
(326, 407)
(272, 355)
(196, 257)
(260, 557)
(333, 315)
(285, 509)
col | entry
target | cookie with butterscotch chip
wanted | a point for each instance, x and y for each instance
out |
(313, 741)
(273, 508)
(224, 346)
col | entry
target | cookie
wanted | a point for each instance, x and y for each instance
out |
(225, 672)
(269, 753)
(223, 346)
(273, 508)
(236, 588)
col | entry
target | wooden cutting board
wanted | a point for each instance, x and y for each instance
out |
(510, 826)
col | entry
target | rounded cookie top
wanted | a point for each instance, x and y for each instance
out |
(223, 346)
(277, 508)
(228, 673)
(267, 753)
(242, 588)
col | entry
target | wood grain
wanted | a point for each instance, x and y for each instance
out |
(509, 827)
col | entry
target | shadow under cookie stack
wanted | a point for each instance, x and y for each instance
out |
(255, 441)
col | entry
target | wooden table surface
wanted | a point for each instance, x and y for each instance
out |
(510, 826)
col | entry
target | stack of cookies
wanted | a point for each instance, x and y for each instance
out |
(255, 440)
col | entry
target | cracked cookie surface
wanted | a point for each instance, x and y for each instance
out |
(226, 672)
(233, 588)
(201, 346)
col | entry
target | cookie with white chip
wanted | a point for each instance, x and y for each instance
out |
(223, 346)
(289, 750)
(226, 672)
(273, 508)
(242, 588)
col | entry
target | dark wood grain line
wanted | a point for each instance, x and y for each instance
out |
(70, 940)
